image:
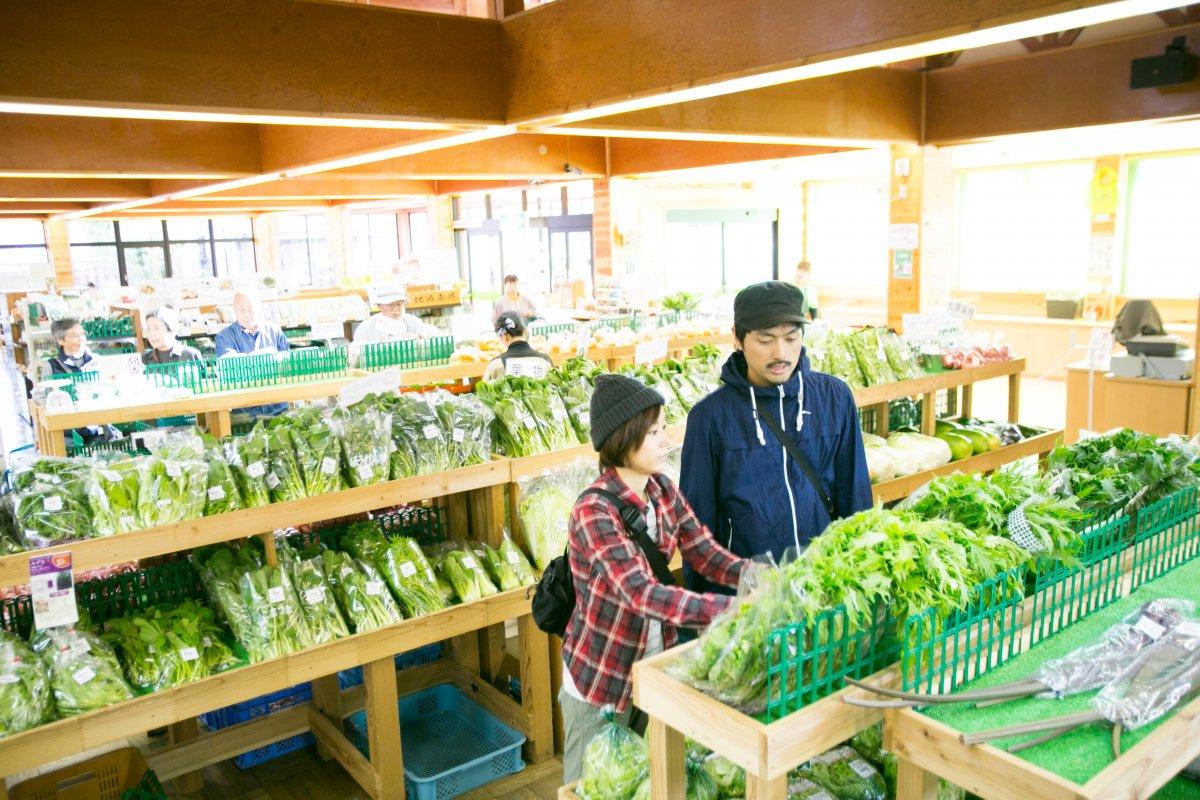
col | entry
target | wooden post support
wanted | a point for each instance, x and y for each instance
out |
(268, 543)
(491, 651)
(535, 688)
(904, 254)
(180, 732)
(218, 423)
(762, 789)
(383, 728)
(486, 509)
(966, 400)
(668, 777)
(882, 412)
(929, 413)
(465, 651)
(914, 783)
(1014, 397)
(327, 699)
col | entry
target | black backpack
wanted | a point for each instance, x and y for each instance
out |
(554, 595)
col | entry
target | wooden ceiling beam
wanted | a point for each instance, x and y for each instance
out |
(79, 190)
(1051, 41)
(317, 187)
(1174, 17)
(650, 156)
(515, 157)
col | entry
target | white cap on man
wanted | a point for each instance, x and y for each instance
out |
(394, 293)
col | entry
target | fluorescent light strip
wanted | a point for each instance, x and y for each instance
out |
(140, 176)
(183, 194)
(1077, 18)
(732, 138)
(138, 112)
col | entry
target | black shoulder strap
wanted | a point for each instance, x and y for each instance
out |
(800, 459)
(635, 523)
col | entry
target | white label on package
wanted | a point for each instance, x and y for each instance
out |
(275, 594)
(80, 647)
(529, 423)
(408, 569)
(649, 352)
(189, 654)
(83, 675)
(207, 642)
(164, 502)
(1188, 628)
(314, 595)
(864, 769)
(562, 525)
(586, 418)
(52, 503)
(109, 475)
(52, 586)
(468, 562)
(430, 431)
(173, 469)
(6, 679)
(273, 480)
(459, 435)
(216, 493)
(1149, 627)
(328, 466)
(364, 471)
(513, 557)
(256, 470)
(374, 588)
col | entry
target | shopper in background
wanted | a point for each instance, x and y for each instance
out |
(736, 472)
(622, 611)
(803, 281)
(392, 322)
(519, 359)
(249, 333)
(160, 328)
(513, 300)
(73, 353)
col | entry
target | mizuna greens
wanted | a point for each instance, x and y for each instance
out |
(26, 699)
(361, 593)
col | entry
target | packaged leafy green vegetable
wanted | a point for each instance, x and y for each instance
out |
(84, 672)
(162, 647)
(545, 508)
(221, 577)
(284, 477)
(804, 789)
(318, 452)
(729, 777)
(363, 540)
(361, 592)
(445, 590)
(49, 502)
(900, 357)
(247, 457)
(275, 610)
(422, 445)
(516, 431)
(506, 565)
(573, 381)
(466, 425)
(410, 578)
(171, 490)
(112, 491)
(317, 601)
(26, 700)
(700, 784)
(366, 442)
(615, 763)
(466, 574)
(846, 775)
(222, 494)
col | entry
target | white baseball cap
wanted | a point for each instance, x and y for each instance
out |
(390, 294)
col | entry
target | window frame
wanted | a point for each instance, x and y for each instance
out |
(1130, 166)
(165, 243)
(308, 254)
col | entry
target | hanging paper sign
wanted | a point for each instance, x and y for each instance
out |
(383, 382)
(53, 591)
(649, 352)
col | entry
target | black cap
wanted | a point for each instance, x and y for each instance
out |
(764, 305)
(510, 322)
(616, 400)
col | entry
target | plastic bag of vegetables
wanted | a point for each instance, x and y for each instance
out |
(362, 595)
(247, 458)
(846, 775)
(318, 451)
(700, 784)
(285, 477)
(466, 574)
(26, 700)
(507, 565)
(804, 789)
(729, 778)
(515, 430)
(615, 763)
(365, 435)
(84, 672)
(112, 491)
(317, 602)
(421, 443)
(545, 508)
(274, 610)
(410, 576)
(466, 425)
(171, 490)
(220, 573)
(49, 501)
(222, 494)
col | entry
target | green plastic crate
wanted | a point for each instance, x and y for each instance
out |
(939, 655)
(407, 353)
(808, 661)
(78, 448)
(1064, 594)
(110, 328)
(425, 524)
(251, 372)
(1167, 536)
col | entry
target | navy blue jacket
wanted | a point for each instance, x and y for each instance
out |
(741, 481)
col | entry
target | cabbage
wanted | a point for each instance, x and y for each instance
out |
(880, 465)
(929, 451)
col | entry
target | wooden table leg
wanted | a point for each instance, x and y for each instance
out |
(668, 778)
(491, 651)
(218, 423)
(929, 414)
(966, 400)
(383, 728)
(763, 789)
(1014, 396)
(882, 421)
(327, 698)
(185, 731)
(535, 688)
(913, 782)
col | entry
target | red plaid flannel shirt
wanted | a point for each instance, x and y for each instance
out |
(616, 591)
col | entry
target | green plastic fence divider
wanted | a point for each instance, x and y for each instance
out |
(940, 654)
(251, 372)
(108, 328)
(808, 661)
(407, 353)
(550, 330)
(1063, 593)
(1168, 536)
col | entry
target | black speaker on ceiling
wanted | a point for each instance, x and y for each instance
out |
(1175, 66)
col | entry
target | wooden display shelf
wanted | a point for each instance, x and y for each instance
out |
(445, 373)
(532, 466)
(927, 750)
(934, 382)
(150, 542)
(887, 491)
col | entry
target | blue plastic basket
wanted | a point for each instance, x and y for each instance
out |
(413, 658)
(450, 744)
(258, 707)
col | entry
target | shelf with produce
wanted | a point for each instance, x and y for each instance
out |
(531, 466)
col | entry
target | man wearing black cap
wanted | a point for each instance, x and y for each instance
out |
(737, 473)
(520, 359)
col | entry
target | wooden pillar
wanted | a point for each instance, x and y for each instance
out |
(1102, 202)
(327, 699)
(913, 782)
(668, 779)
(266, 254)
(441, 214)
(535, 688)
(59, 249)
(904, 254)
(383, 728)
(603, 231)
(340, 243)
(180, 732)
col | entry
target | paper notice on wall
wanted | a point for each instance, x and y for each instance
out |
(904, 236)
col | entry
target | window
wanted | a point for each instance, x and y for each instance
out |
(846, 234)
(304, 249)
(418, 231)
(731, 249)
(22, 241)
(133, 251)
(1161, 235)
(1024, 229)
(375, 239)
(579, 197)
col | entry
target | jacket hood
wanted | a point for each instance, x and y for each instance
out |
(733, 375)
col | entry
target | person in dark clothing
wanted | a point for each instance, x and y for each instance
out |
(73, 353)
(735, 473)
(520, 358)
(161, 327)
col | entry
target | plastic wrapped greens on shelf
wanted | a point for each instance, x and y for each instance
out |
(729, 778)
(804, 789)
(410, 576)
(84, 672)
(545, 508)
(466, 573)
(26, 699)
(318, 452)
(49, 501)
(900, 357)
(365, 435)
(171, 490)
(421, 445)
(872, 359)
(317, 601)
(361, 592)
(516, 429)
(112, 491)
(615, 763)
(507, 565)
(284, 477)
(846, 775)
(248, 459)
(1164, 674)
(222, 493)
(220, 576)
(841, 360)
(274, 610)
(700, 785)
(162, 647)
(466, 425)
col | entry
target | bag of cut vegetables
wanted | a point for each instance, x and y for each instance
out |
(361, 592)
(84, 672)
(26, 700)
(615, 763)
(465, 571)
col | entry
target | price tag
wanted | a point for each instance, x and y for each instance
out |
(649, 352)
(586, 418)
(513, 557)
(558, 412)
(53, 591)
(163, 503)
(256, 470)
(1150, 628)
(863, 769)
(429, 574)
(207, 642)
(275, 594)
(8, 678)
(328, 465)
(529, 423)
(374, 588)
(216, 493)
(273, 481)
(189, 654)
(1188, 628)
(173, 469)
(383, 382)
(52, 503)
(364, 471)
(109, 475)
(314, 595)
(83, 675)
(431, 431)
(408, 569)
(468, 562)
(561, 525)
(80, 647)
(459, 435)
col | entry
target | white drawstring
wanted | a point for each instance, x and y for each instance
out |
(757, 426)
(800, 412)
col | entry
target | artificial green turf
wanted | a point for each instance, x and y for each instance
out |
(1077, 756)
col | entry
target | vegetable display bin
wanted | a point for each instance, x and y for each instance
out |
(450, 744)
(413, 658)
(117, 775)
(259, 707)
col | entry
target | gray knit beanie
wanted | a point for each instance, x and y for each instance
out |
(616, 400)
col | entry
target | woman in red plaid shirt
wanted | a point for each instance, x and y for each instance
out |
(622, 612)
